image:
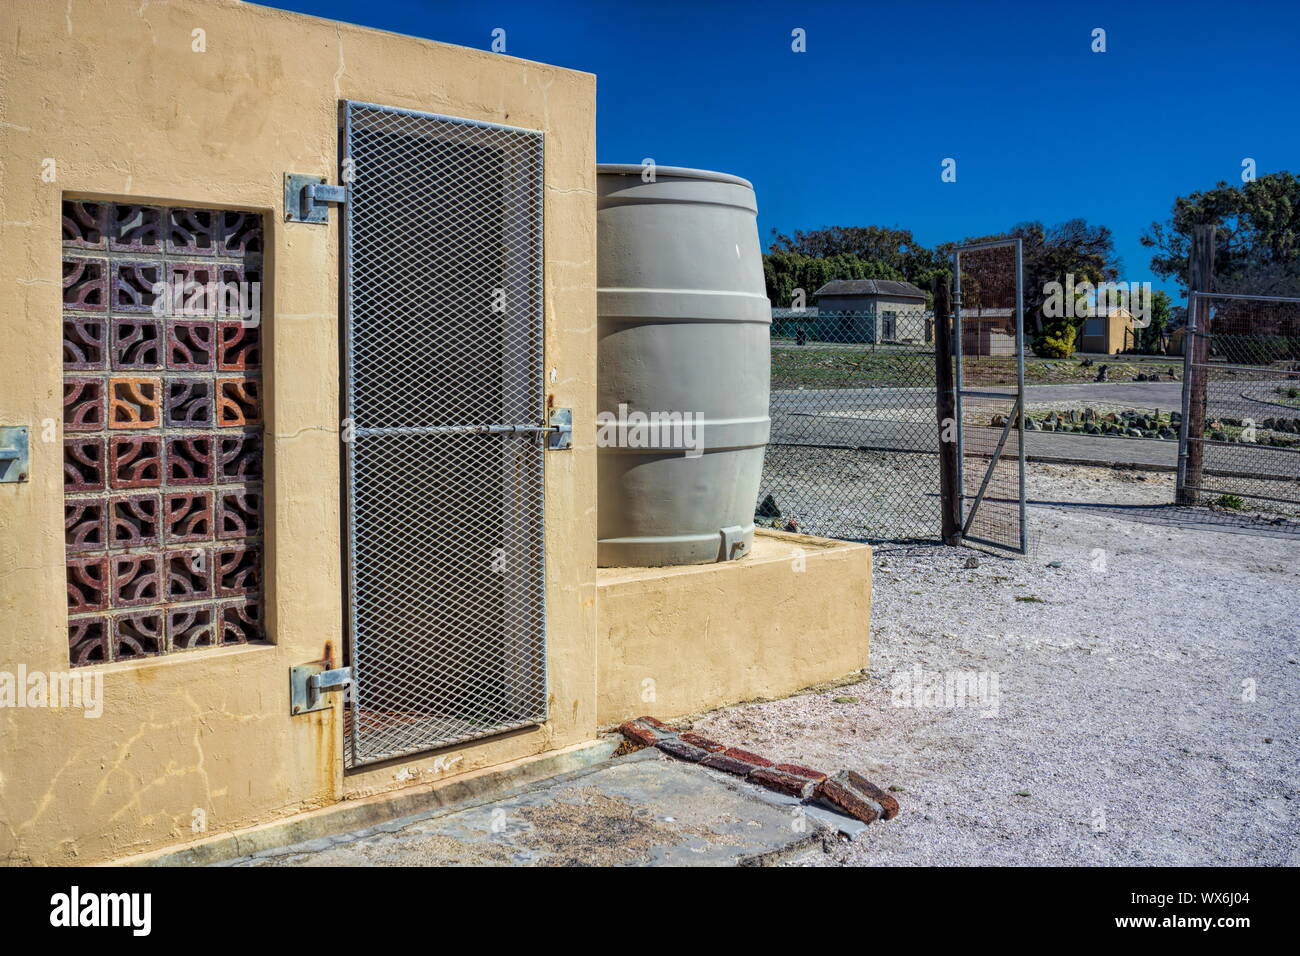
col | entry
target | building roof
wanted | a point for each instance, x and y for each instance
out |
(1118, 312)
(888, 287)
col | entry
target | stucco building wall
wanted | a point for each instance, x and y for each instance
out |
(1107, 334)
(868, 325)
(207, 104)
(110, 100)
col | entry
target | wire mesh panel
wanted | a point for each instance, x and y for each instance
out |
(854, 444)
(989, 327)
(444, 405)
(1240, 441)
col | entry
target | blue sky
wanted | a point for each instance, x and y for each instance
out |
(853, 131)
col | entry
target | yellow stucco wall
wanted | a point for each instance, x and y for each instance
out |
(1117, 334)
(114, 93)
(677, 641)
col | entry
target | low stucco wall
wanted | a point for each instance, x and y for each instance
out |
(101, 99)
(677, 641)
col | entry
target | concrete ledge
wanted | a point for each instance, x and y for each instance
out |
(358, 814)
(680, 640)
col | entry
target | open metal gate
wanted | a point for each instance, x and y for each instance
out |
(989, 348)
(445, 418)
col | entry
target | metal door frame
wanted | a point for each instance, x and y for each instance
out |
(538, 429)
(1015, 417)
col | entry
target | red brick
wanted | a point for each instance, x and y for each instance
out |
(704, 743)
(816, 776)
(720, 761)
(737, 754)
(639, 733)
(782, 782)
(658, 724)
(888, 805)
(846, 800)
(682, 750)
(733, 760)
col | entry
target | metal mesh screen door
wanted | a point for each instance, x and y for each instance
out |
(444, 401)
(989, 345)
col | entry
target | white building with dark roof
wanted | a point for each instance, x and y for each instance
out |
(875, 310)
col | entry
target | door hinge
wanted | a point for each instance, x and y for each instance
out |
(308, 198)
(14, 456)
(309, 683)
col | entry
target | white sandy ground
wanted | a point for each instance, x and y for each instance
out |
(1126, 730)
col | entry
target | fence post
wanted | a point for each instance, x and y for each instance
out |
(945, 407)
(1191, 458)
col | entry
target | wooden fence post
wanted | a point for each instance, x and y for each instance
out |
(1197, 351)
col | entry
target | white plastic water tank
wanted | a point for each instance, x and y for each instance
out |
(683, 330)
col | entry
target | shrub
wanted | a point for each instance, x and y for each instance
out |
(1055, 342)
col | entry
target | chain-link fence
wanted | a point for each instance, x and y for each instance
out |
(1241, 450)
(854, 445)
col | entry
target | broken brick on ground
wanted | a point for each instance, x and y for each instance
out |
(846, 791)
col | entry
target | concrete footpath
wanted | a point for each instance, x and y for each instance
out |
(644, 809)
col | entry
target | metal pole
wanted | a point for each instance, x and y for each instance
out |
(1180, 483)
(1020, 386)
(1250, 298)
(946, 411)
(957, 353)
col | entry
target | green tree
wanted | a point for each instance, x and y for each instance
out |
(784, 272)
(1256, 236)
(1051, 254)
(889, 247)
(1162, 314)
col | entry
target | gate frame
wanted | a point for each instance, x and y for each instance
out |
(539, 430)
(1017, 415)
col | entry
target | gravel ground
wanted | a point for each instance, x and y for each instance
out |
(1146, 705)
(839, 493)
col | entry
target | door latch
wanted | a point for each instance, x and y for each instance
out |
(15, 464)
(308, 684)
(308, 198)
(560, 429)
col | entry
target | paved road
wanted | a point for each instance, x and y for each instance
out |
(922, 435)
(1162, 395)
(903, 419)
(1224, 395)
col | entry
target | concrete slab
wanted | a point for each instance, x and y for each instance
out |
(413, 802)
(639, 810)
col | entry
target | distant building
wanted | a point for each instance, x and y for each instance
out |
(1107, 334)
(988, 331)
(874, 310)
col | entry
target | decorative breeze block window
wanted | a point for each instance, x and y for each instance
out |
(162, 436)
